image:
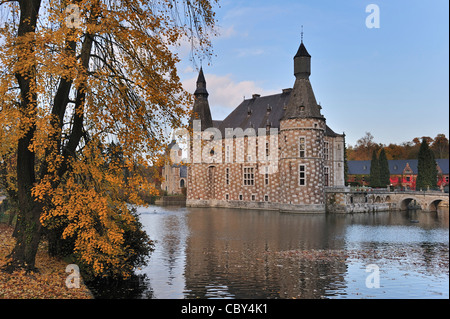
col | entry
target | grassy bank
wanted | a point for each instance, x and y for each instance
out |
(48, 283)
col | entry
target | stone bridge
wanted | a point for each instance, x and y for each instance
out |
(428, 201)
(358, 200)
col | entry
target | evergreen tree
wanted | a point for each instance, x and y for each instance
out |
(374, 170)
(426, 166)
(383, 167)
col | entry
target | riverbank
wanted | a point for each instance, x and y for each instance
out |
(48, 283)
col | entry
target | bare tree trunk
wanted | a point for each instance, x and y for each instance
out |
(28, 226)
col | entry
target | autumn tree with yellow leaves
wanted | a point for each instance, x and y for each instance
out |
(76, 75)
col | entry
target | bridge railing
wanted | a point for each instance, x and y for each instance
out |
(365, 189)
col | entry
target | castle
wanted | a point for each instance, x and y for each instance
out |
(272, 152)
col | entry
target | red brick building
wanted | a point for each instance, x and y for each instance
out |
(403, 173)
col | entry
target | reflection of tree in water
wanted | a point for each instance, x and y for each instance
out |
(136, 287)
(172, 243)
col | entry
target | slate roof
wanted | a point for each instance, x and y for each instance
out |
(302, 103)
(358, 167)
(183, 171)
(201, 84)
(302, 51)
(256, 112)
(201, 108)
(260, 111)
(443, 164)
(216, 123)
(396, 167)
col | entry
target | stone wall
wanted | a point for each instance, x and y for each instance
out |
(171, 200)
(281, 207)
(346, 200)
(237, 172)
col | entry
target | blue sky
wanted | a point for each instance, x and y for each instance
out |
(391, 81)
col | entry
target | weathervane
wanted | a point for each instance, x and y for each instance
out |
(302, 33)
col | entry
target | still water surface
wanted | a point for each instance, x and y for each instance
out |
(230, 253)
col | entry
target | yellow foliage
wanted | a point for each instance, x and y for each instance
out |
(111, 79)
(49, 283)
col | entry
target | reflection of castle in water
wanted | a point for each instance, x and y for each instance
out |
(235, 255)
(207, 253)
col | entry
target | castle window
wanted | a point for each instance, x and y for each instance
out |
(266, 175)
(227, 197)
(267, 151)
(227, 154)
(182, 183)
(326, 172)
(240, 197)
(266, 198)
(253, 197)
(302, 175)
(325, 150)
(227, 176)
(302, 147)
(249, 176)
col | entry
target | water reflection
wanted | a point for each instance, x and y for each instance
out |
(223, 253)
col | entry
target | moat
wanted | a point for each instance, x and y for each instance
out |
(233, 253)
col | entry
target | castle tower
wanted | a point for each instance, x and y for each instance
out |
(201, 109)
(302, 131)
(197, 178)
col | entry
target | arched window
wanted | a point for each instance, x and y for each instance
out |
(182, 183)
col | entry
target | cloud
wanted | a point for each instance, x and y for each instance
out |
(225, 93)
(226, 32)
(246, 52)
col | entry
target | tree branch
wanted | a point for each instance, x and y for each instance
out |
(5, 1)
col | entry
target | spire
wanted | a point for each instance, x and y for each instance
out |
(302, 33)
(302, 52)
(201, 84)
(302, 102)
(201, 109)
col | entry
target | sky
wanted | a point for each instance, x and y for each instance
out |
(391, 81)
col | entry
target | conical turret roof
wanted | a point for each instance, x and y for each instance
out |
(302, 51)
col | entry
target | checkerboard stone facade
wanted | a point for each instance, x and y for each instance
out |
(286, 171)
